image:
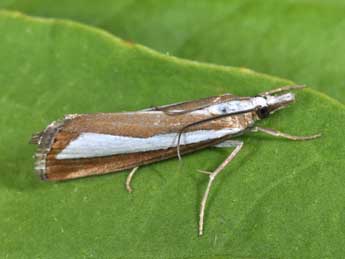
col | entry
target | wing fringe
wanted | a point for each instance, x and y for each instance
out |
(44, 141)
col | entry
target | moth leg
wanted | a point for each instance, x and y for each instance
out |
(277, 133)
(212, 177)
(227, 144)
(129, 179)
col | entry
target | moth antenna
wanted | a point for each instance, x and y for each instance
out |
(203, 121)
(282, 89)
(167, 111)
(191, 125)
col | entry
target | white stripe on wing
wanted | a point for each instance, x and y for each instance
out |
(90, 144)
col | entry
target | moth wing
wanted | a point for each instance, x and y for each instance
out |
(184, 107)
(59, 135)
(74, 168)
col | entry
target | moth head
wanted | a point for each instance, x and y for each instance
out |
(273, 103)
(276, 99)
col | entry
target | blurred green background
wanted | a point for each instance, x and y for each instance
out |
(300, 40)
(278, 199)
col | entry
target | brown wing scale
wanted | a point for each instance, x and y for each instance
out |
(193, 105)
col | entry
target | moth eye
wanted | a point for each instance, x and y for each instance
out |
(263, 112)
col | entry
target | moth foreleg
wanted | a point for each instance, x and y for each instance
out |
(277, 133)
(129, 179)
(228, 143)
(212, 177)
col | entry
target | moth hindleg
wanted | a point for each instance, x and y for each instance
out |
(129, 179)
(212, 177)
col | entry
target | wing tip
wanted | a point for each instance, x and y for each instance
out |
(44, 141)
(35, 138)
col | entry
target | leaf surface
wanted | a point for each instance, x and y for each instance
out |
(277, 199)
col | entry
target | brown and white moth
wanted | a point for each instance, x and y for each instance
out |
(93, 144)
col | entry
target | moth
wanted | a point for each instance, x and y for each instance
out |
(81, 145)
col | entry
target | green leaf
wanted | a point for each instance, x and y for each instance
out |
(277, 199)
(299, 40)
